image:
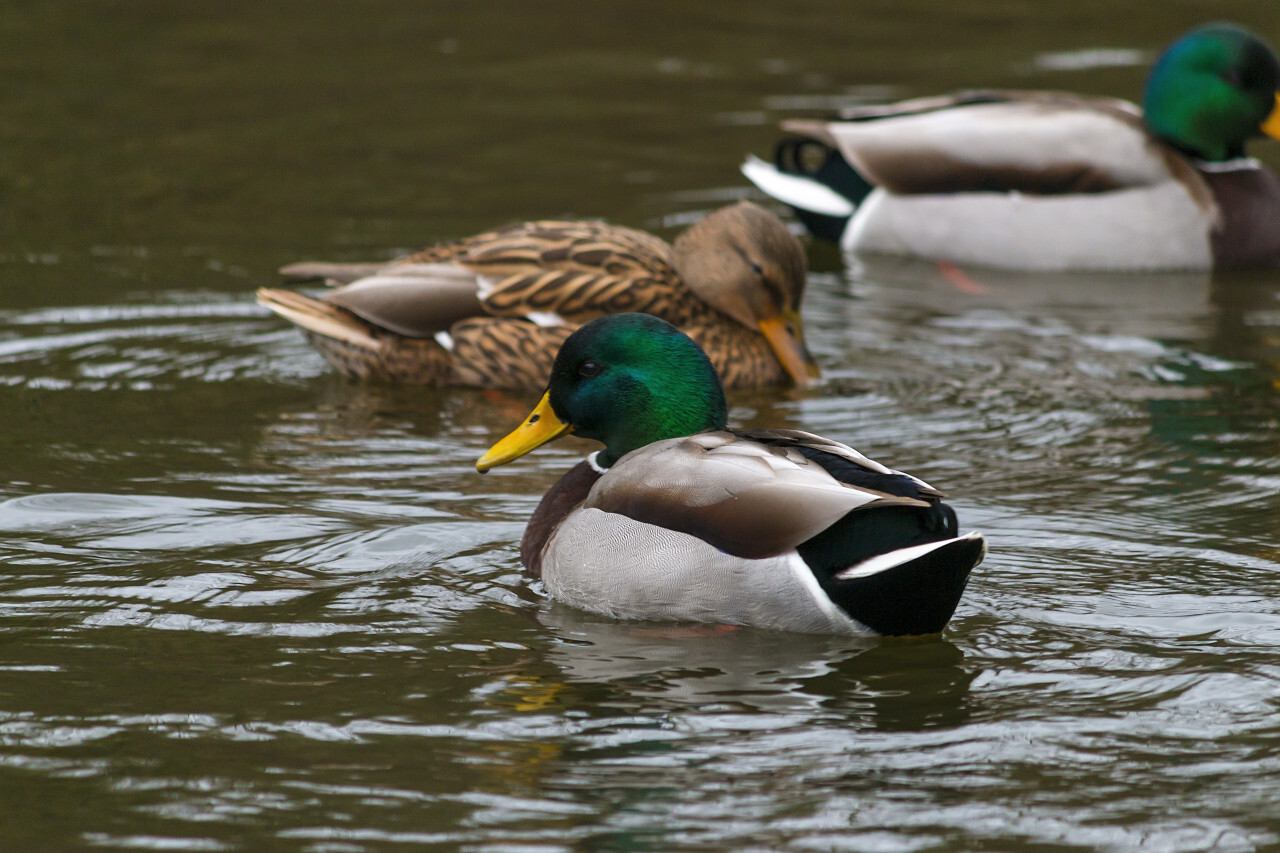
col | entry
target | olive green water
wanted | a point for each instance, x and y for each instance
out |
(247, 605)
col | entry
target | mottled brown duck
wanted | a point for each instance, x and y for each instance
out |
(491, 310)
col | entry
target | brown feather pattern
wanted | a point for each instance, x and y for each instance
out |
(416, 356)
(492, 352)
(576, 271)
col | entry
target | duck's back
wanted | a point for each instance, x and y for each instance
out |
(1020, 180)
(1045, 143)
(713, 528)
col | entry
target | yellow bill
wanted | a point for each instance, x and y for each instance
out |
(789, 347)
(1271, 125)
(541, 426)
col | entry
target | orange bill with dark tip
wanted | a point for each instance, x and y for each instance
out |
(541, 426)
(785, 334)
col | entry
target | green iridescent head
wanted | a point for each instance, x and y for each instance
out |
(626, 380)
(1213, 89)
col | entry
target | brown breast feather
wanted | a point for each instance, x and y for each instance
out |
(1249, 234)
(561, 499)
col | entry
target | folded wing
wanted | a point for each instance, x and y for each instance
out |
(1042, 143)
(744, 497)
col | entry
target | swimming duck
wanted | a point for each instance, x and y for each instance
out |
(492, 309)
(680, 518)
(1050, 180)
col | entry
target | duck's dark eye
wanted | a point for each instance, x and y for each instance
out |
(589, 369)
(751, 263)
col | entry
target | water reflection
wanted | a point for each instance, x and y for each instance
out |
(885, 684)
(907, 685)
(1167, 304)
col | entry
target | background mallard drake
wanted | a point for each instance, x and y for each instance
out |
(680, 518)
(491, 310)
(1054, 181)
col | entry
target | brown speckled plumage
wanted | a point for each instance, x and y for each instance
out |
(538, 281)
(384, 364)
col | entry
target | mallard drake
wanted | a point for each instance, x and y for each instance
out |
(1054, 181)
(680, 518)
(491, 310)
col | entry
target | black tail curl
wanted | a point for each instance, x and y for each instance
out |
(917, 597)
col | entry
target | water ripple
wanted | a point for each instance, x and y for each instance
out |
(310, 570)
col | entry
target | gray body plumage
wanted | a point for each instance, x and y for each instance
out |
(610, 564)
(705, 529)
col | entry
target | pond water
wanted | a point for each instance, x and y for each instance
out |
(248, 605)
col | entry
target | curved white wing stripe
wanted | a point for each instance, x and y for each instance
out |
(883, 562)
(794, 190)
